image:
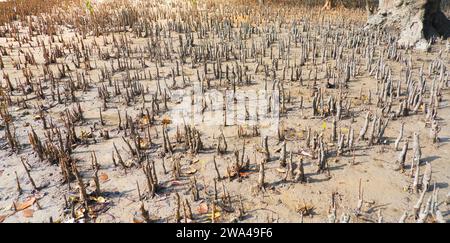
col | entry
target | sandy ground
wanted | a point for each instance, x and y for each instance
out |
(384, 190)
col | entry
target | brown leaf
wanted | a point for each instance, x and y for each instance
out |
(166, 120)
(27, 203)
(103, 177)
(244, 174)
(144, 120)
(202, 208)
(138, 220)
(191, 171)
(28, 213)
(3, 217)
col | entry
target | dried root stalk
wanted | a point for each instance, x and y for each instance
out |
(27, 170)
(81, 186)
(222, 144)
(299, 172)
(400, 165)
(400, 135)
(217, 169)
(261, 183)
(363, 131)
(426, 179)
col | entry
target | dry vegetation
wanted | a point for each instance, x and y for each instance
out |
(89, 130)
(13, 10)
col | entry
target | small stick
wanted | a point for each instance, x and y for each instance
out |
(19, 189)
(29, 175)
(120, 120)
(189, 211)
(101, 117)
(184, 212)
(195, 191)
(215, 189)
(139, 191)
(97, 183)
(283, 155)
(83, 193)
(164, 166)
(261, 184)
(216, 168)
(119, 157)
(213, 213)
(266, 148)
(241, 207)
(113, 159)
(177, 212)
(37, 204)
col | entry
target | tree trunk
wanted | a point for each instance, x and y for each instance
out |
(416, 20)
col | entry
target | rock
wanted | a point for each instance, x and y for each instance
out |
(417, 21)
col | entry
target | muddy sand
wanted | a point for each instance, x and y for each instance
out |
(282, 72)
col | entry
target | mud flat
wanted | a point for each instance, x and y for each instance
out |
(211, 111)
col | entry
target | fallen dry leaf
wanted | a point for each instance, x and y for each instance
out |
(73, 198)
(191, 171)
(100, 199)
(202, 208)
(79, 213)
(27, 203)
(306, 153)
(28, 213)
(103, 177)
(137, 220)
(86, 135)
(143, 144)
(166, 120)
(175, 183)
(244, 174)
(217, 214)
(3, 217)
(281, 170)
(144, 120)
